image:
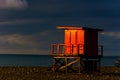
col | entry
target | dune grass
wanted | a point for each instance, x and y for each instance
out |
(41, 73)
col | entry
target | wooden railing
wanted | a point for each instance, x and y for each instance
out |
(60, 49)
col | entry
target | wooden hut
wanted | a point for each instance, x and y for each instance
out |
(80, 48)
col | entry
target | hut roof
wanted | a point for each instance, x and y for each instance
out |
(77, 28)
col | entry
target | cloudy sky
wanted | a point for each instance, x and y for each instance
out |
(29, 26)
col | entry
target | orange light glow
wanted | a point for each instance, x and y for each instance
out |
(73, 40)
(80, 40)
(67, 42)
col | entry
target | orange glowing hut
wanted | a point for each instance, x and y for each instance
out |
(80, 43)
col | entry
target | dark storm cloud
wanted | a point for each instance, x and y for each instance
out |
(77, 8)
(30, 24)
(70, 12)
(79, 12)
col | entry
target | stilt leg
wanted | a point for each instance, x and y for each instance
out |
(79, 65)
(66, 61)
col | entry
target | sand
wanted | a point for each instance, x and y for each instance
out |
(41, 73)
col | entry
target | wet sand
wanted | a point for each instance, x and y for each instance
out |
(41, 73)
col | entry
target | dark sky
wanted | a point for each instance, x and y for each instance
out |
(29, 26)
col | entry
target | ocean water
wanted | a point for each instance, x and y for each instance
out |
(41, 60)
(25, 60)
(108, 60)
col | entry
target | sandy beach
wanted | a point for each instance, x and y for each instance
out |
(41, 73)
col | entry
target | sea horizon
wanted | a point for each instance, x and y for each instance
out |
(41, 60)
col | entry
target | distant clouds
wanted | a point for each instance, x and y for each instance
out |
(21, 21)
(37, 43)
(17, 40)
(112, 34)
(13, 4)
(111, 42)
(20, 43)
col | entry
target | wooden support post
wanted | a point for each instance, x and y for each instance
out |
(66, 61)
(79, 65)
(99, 64)
(54, 61)
(52, 49)
(58, 49)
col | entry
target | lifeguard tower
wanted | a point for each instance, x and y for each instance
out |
(80, 51)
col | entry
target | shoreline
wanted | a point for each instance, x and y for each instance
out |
(41, 73)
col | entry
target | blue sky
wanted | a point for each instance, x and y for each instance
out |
(29, 26)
